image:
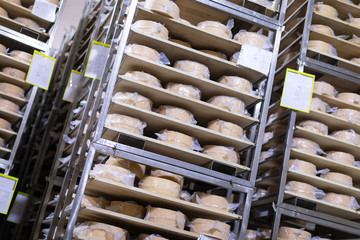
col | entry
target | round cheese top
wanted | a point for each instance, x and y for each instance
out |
(226, 128)
(127, 208)
(302, 166)
(339, 200)
(322, 29)
(4, 124)
(186, 44)
(143, 77)
(216, 28)
(27, 22)
(211, 200)
(168, 175)
(184, 90)
(347, 136)
(254, 39)
(289, 233)
(13, 72)
(166, 217)
(324, 88)
(21, 56)
(161, 186)
(354, 21)
(322, 47)
(325, 10)
(352, 98)
(11, 90)
(301, 188)
(237, 83)
(2, 47)
(210, 228)
(125, 123)
(177, 113)
(193, 68)
(150, 237)
(152, 28)
(215, 54)
(305, 145)
(342, 157)
(9, 106)
(319, 105)
(98, 202)
(164, 7)
(339, 178)
(134, 167)
(96, 230)
(176, 138)
(348, 114)
(114, 173)
(314, 126)
(134, 99)
(143, 52)
(232, 104)
(222, 153)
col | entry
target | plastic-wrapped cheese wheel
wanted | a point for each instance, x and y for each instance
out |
(177, 139)
(136, 168)
(348, 114)
(161, 185)
(143, 77)
(349, 97)
(232, 104)
(215, 54)
(226, 128)
(114, 173)
(166, 217)
(21, 56)
(27, 22)
(134, 99)
(343, 157)
(11, 90)
(3, 13)
(4, 124)
(354, 21)
(289, 233)
(211, 228)
(254, 39)
(322, 47)
(125, 123)
(341, 200)
(324, 88)
(98, 202)
(150, 237)
(2, 47)
(127, 208)
(164, 7)
(184, 90)
(302, 166)
(18, 2)
(314, 126)
(305, 145)
(8, 106)
(177, 113)
(216, 28)
(193, 68)
(13, 72)
(222, 153)
(211, 200)
(338, 177)
(319, 105)
(251, 234)
(347, 136)
(152, 28)
(325, 10)
(186, 44)
(322, 29)
(237, 83)
(168, 175)
(355, 40)
(143, 51)
(96, 230)
(355, 60)
(263, 233)
(301, 188)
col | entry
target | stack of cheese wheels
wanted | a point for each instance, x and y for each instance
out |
(3, 13)
(11, 89)
(354, 21)
(186, 44)
(342, 157)
(4, 124)
(13, 72)
(324, 88)
(2, 47)
(222, 153)
(226, 128)
(193, 68)
(355, 40)
(136, 168)
(289, 233)
(152, 28)
(319, 105)
(150, 237)
(232, 104)
(322, 29)
(301, 188)
(322, 47)
(215, 54)
(177, 113)
(347, 136)
(98, 202)
(305, 145)
(325, 10)
(338, 177)
(176, 138)
(21, 56)
(352, 98)
(166, 217)
(161, 186)
(18, 2)
(211, 200)
(237, 83)
(348, 114)
(251, 234)
(125, 123)
(127, 208)
(9, 106)
(254, 39)
(96, 230)
(302, 166)
(114, 173)
(211, 228)
(216, 28)
(134, 99)
(314, 126)
(27, 22)
(164, 7)
(143, 51)
(144, 78)
(339, 200)
(188, 91)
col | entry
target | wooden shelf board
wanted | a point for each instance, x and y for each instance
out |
(4, 151)
(98, 186)
(7, 61)
(19, 101)
(6, 133)
(10, 116)
(15, 81)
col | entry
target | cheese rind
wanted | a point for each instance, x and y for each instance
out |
(322, 29)
(13, 72)
(164, 7)
(144, 52)
(114, 173)
(210, 228)
(324, 88)
(352, 98)
(254, 39)
(166, 217)
(354, 21)
(211, 200)
(5, 124)
(11, 89)
(322, 47)
(127, 208)
(338, 178)
(319, 105)
(341, 200)
(342, 157)
(222, 153)
(125, 123)
(226, 128)
(348, 114)
(188, 91)
(9, 106)
(161, 186)
(216, 28)
(21, 56)
(289, 233)
(98, 202)
(96, 230)
(301, 188)
(237, 83)
(302, 166)
(144, 78)
(178, 139)
(136, 168)
(193, 68)
(18, 2)
(177, 113)
(315, 126)
(347, 136)
(134, 99)
(305, 145)
(232, 104)
(325, 10)
(152, 28)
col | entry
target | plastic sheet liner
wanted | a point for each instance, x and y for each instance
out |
(348, 114)
(164, 7)
(114, 173)
(347, 136)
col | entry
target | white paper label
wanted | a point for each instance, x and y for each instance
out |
(255, 58)
(7, 188)
(41, 69)
(45, 10)
(97, 60)
(73, 85)
(18, 208)
(297, 91)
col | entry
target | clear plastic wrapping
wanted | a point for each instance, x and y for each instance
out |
(217, 28)
(185, 195)
(210, 227)
(235, 57)
(237, 83)
(355, 40)
(324, 88)
(134, 99)
(152, 28)
(98, 202)
(319, 105)
(177, 113)
(232, 104)
(341, 200)
(9, 106)
(294, 233)
(251, 234)
(348, 114)
(338, 177)
(322, 29)
(166, 217)
(193, 68)
(178, 139)
(5, 124)
(254, 39)
(222, 153)
(267, 136)
(184, 90)
(306, 145)
(226, 128)
(304, 189)
(164, 7)
(352, 98)
(160, 185)
(114, 173)
(95, 230)
(28, 23)
(314, 126)
(319, 238)
(128, 208)
(143, 77)
(347, 136)
(213, 201)
(325, 10)
(146, 53)
(302, 166)
(13, 72)
(342, 157)
(322, 47)
(353, 21)
(355, 60)
(125, 123)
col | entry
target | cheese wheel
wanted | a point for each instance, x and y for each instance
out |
(250, 234)
(161, 186)
(302, 166)
(226, 128)
(150, 237)
(263, 233)
(144, 78)
(184, 90)
(127, 208)
(98, 202)
(143, 51)
(324, 88)
(325, 10)
(2, 47)
(193, 68)
(343, 157)
(305, 145)
(176, 138)
(347, 136)
(9, 106)
(27, 22)
(216, 28)
(177, 113)
(211, 201)
(352, 98)
(319, 105)
(210, 228)
(232, 104)
(114, 173)
(3, 13)
(301, 188)
(355, 40)
(166, 217)
(348, 114)
(164, 7)
(186, 44)
(215, 54)
(96, 230)
(338, 177)
(168, 175)
(254, 39)
(222, 153)
(125, 123)
(322, 29)
(152, 28)
(134, 99)
(237, 83)
(289, 233)
(355, 60)
(339, 200)
(11, 90)
(322, 47)
(21, 56)
(18, 2)
(271, 172)
(4, 124)
(136, 168)
(13, 72)
(354, 21)
(314, 126)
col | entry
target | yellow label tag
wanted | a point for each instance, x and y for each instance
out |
(7, 190)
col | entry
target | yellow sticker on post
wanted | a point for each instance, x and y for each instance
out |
(97, 60)
(7, 190)
(297, 90)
